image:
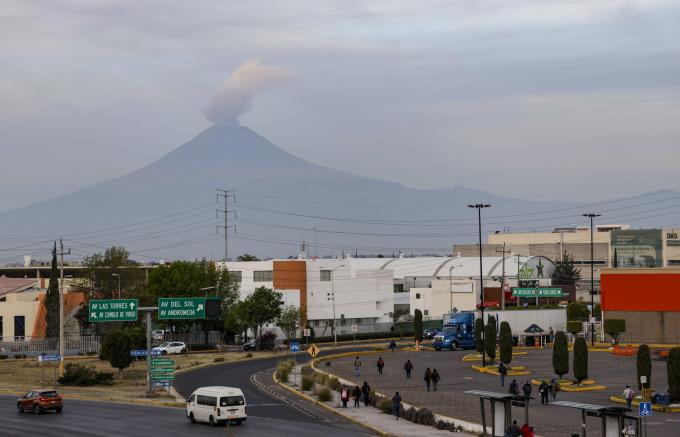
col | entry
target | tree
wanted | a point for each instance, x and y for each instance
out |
(597, 311)
(247, 257)
(490, 337)
(288, 321)
(566, 272)
(418, 325)
(52, 300)
(117, 345)
(560, 358)
(673, 367)
(644, 366)
(615, 264)
(580, 359)
(479, 340)
(236, 320)
(577, 311)
(263, 307)
(615, 327)
(505, 338)
(102, 272)
(574, 327)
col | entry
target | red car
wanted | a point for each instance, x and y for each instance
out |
(39, 401)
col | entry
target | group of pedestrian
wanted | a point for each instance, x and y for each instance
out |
(545, 390)
(431, 377)
(515, 431)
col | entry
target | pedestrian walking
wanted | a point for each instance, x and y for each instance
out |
(357, 367)
(554, 387)
(551, 335)
(393, 345)
(344, 396)
(356, 394)
(396, 404)
(428, 378)
(380, 364)
(527, 431)
(514, 388)
(366, 393)
(513, 430)
(435, 379)
(503, 372)
(526, 389)
(629, 394)
(408, 367)
(544, 390)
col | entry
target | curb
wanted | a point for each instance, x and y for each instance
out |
(331, 409)
(492, 371)
(655, 407)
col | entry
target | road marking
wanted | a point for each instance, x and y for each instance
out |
(264, 405)
(467, 377)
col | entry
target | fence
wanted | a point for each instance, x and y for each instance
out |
(87, 344)
(194, 337)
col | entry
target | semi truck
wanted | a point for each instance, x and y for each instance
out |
(458, 331)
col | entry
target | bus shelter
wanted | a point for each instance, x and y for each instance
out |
(614, 422)
(501, 409)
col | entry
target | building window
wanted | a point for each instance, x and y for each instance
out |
(262, 276)
(426, 312)
(19, 327)
(324, 275)
(357, 321)
(398, 288)
(674, 262)
(236, 275)
(417, 295)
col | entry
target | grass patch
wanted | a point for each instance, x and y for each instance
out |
(307, 383)
(324, 394)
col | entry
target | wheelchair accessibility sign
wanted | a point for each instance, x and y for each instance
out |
(645, 409)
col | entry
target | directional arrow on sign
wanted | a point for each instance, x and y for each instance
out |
(93, 315)
(132, 306)
(200, 307)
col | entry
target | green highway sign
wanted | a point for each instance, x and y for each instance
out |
(539, 291)
(112, 310)
(170, 308)
(163, 378)
(160, 361)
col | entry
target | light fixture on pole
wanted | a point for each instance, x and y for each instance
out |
(592, 215)
(335, 332)
(206, 290)
(479, 207)
(117, 275)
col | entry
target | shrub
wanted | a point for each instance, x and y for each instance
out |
(673, 366)
(324, 394)
(3, 357)
(506, 343)
(615, 327)
(426, 417)
(321, 378)
(490, 337)
(644, 366)
(410, 414)
(580, 359)
(307, 383)
(77, 374)
(560, 358)
(249, 355)
(116, 349)
(19, 356)
(479, 341)
(574, 327)
(218, 360)
(333, 383)
(306, 370)
(385, 405)
(577, 311)
(283, 369)
(418, 325)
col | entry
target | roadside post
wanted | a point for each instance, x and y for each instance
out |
(306, 333)
(294, 348)
(645, 412)
(46, 358)
(355, 329)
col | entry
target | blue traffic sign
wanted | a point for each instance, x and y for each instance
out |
(142, 353)
(294, 346)
(162, 383)
(645, 409)
(43, 358)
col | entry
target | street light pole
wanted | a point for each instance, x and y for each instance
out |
(592, 215)
(206, 290)
(479, 207)
(118, 276)
(335, 331)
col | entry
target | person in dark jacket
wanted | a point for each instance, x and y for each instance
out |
(554, 387)
(428, 378)
(393, 345)
(396, 404)
(435, 379)
(408, 367)
(544, 390)
(526, 389)
(502, 371)
(513, 430)
(514, 387)
(357, 396)
(380, 364)
(366, 392)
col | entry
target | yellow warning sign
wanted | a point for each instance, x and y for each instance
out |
(313, 351)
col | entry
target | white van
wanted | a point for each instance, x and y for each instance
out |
(217, 405)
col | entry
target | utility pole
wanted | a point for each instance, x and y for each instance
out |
(592, 215)
(479, 207)
(503, 252)
(226, 195)
(61, 306)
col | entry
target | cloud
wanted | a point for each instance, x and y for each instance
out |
(238, 92)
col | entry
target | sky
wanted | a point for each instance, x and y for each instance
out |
(565, 100)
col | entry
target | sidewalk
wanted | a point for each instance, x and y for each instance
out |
(370, 417)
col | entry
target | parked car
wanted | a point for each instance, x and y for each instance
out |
(217, 405)
(169, 348)
(250, 345)
(39, 401)
(429, 333)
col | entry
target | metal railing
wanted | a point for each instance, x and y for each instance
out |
(86, 344)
